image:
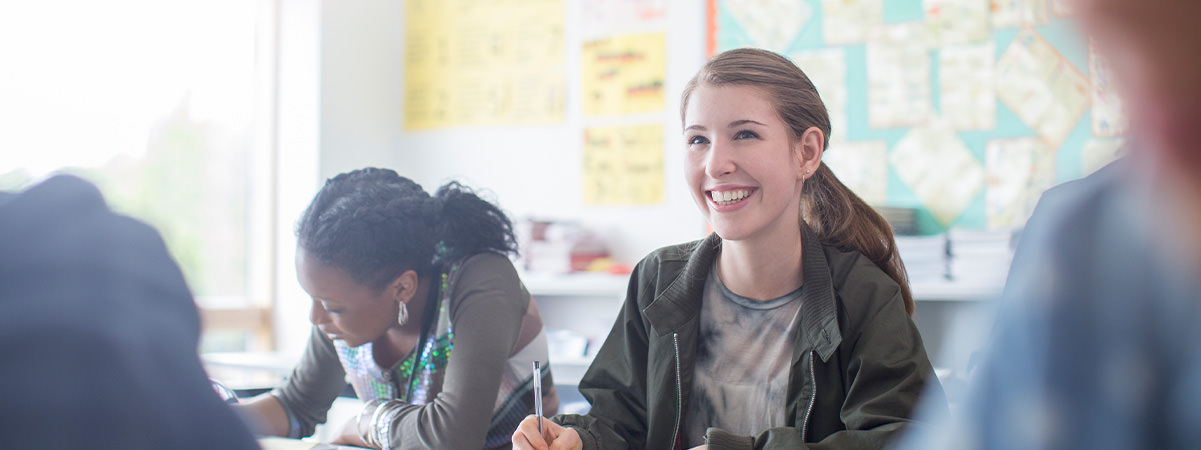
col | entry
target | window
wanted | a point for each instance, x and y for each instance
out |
(167, 105)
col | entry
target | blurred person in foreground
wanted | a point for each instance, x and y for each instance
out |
(98, 332)
(1098, 337)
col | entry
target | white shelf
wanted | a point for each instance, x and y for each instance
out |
(953, 291)
(584, 284)
(275, 363)
(614, 287)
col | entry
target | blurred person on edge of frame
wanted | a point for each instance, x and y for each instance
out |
(1097, 342)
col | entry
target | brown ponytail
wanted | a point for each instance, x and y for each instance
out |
(842, 219)
(838, 216)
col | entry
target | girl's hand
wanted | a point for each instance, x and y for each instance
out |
(349, 434)
(554, 437)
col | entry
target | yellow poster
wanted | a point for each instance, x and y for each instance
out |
(496, 63)
(623, 165)
(624, 74)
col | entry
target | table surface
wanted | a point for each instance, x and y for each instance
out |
(278, 443)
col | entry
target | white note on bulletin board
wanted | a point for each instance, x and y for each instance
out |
(925, 157)
(1042, 87)
(967, 97)
(1018, 171)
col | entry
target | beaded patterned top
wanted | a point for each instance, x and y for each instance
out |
(421, 372)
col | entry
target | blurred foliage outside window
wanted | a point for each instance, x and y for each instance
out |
(155, 102)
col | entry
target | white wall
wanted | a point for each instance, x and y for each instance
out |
(297, 138)
(531, 170)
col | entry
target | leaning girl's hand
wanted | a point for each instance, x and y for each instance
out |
(554, 437)
(349, 434)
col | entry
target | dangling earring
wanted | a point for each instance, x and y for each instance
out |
(404, 313)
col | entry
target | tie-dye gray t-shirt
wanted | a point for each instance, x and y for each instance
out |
(743, 353)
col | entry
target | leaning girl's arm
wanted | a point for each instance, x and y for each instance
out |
(305, 397)
(486, 310)
(265, 415)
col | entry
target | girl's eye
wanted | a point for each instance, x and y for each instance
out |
(745, 134)
(697, 140)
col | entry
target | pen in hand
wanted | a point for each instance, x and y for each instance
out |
(538, 395)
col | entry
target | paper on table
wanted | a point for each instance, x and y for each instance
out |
(939, 168)
(1015, 13)
(958, 21)
(1099, 152)
(861, 166)
(1109, 113)
(827, 69)
(898, 77)
(277, 443)
(1046, 92)
(772, 24)
(623, 165)
(1019, 170)
(624, 74)
(966, 83)
(848, 21)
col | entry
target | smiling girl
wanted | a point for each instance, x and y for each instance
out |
(415, 303)
(789, 326)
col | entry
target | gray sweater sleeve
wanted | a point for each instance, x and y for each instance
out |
(314, 384)
(487, 304)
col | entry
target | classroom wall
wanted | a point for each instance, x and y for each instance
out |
(532, 171)
(536, 170)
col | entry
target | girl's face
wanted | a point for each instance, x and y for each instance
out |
(744, 170)
(342, 307)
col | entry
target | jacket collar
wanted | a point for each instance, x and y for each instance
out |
(680, 302)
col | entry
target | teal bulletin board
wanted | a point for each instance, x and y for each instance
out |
(1019, 110)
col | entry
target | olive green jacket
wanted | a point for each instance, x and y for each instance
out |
(856, 375)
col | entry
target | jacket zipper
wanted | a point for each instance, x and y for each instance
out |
(812, 399)
(675, 340)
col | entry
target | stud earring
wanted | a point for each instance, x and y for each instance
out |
(404, 313)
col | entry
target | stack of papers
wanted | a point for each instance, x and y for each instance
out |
(925, 257)
(980, 257)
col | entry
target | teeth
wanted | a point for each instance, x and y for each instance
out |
(733, 196)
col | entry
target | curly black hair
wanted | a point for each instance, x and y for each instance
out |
(376, 224)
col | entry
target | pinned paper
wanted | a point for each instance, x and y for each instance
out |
(624, 74)
(967, 97)
(1015, 13)
(898, 77)
(849, 21)
(772, 24)
(1109, 113)
(939, 168)
(1019, 170)
(602, 17)
(1099, 152)
(958, 21)
(827, 69)
(492, 64)
(862, 166)
(1046, 91)
(623, 165)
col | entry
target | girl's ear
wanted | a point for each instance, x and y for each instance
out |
(404, 287)
(809, 149)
